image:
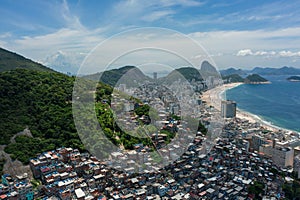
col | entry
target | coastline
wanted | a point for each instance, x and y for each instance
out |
(213, 97)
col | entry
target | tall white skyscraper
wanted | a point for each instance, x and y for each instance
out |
(228, 109)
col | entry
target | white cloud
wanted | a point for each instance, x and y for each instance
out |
(157, 15)
(289, 53)
(254, 47)
(230, 42)
(149, 45)
(261, 53)
(189, 3)
(245, 52)
(137, 11)
(3, 38)
(64, 61)
(72, 21)
(249, 52)
(5, 35)
(226, 47)
(71, 40)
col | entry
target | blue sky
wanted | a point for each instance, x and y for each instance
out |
(239, 33)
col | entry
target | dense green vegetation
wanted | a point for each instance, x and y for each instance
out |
(35, 183)
(255, 78)
(142, 110)
(10, 61)
(257, 189)
(108, 124)
(40, 101)
(292, 190)
(26, 147)
(233, 78)
(202, 128)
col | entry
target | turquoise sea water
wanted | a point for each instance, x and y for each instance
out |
(277, 103)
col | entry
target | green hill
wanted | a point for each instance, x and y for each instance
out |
(294, 78)
(10, 61)
(208, 69)
(129, 75)
(255, 78)
(233, 78)
(40, 101)
(187, 73)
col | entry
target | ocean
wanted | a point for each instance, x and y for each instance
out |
(277, 103)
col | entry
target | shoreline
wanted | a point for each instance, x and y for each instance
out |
(213, 97)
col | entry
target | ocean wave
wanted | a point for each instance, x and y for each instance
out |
(263, 121)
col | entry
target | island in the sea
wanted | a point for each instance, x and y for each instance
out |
(250, 79)
(294, 78)
(255, 79)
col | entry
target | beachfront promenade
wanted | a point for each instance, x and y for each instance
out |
(261, 136)
(213, 97)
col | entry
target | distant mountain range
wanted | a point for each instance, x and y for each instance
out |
(262, 71)
(131, 75)
(230, 71)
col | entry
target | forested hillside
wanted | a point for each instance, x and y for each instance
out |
(40, 101)
(10, 61)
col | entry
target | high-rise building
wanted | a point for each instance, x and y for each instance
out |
(228, 109)
(154, 75)
(283, 156)
(258, 141)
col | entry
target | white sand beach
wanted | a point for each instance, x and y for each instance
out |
(214, 97)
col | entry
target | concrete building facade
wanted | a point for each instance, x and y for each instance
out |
(228, 109)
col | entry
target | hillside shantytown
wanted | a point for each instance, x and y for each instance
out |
(246, 160)
(243, 164)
